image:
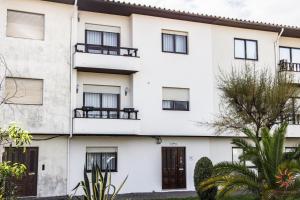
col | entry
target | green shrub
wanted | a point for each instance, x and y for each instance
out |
(203, 170)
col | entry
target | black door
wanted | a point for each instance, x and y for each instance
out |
(27, 186)
(173, 168)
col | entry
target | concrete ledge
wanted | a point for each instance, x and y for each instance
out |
(131, 196)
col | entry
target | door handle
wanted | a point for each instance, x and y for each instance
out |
(181, 169)
(31, 173)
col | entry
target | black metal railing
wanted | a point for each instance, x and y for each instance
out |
(107, 50)
(284, 65)
(106, 113)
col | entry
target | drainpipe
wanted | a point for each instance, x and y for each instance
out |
(73, 39)
(276, 48)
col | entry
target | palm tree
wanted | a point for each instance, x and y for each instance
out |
(276, 170)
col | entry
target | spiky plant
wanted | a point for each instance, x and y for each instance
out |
(99, 187)
(268, 156)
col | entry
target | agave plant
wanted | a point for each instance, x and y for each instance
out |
(274, 166)
(99, 187)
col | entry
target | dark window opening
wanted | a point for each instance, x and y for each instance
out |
(172, 43)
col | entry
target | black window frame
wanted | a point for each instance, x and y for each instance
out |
(173, 107)
(245, 49)
(290, 51)
(174, 41)
(87, 45)
(101, 167)
(101, 94)
(289, 147)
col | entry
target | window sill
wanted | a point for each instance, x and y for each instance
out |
(171, 52)
(246, 59)
(173, 110)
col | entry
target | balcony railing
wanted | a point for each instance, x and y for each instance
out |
(107, 50)
(284, 65)
(106, 113)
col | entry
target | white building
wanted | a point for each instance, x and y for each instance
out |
(98, 79)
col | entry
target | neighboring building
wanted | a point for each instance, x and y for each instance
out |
(104, 79)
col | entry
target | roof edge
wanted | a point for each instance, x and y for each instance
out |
(126, 9)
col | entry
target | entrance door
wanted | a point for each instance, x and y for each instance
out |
(27, 186)
(173, 168)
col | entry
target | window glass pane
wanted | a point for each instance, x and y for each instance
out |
(167, 104)
(284, 54)
(110, 39)
(93, 37)
(290, 149)
(236, 152)
(296, 55)
(251, 49)
(109, 101)
(181, 46)
(102, 159)
(92, 99)
(239, 48)
(181, 105)
(168, 43)
(25, 25)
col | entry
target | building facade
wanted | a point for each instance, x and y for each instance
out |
(99, 81)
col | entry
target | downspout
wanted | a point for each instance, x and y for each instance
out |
(276, 49)
(73, 39)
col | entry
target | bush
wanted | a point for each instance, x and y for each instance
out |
(203, 170)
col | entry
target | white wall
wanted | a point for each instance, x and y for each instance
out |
(47, 60)
(122, 22)
(140, 158)
(52, 153)
(160, 69)
(123, 81)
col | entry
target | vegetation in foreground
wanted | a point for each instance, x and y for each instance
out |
(9, 171)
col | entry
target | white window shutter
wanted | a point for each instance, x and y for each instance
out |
(25, 25)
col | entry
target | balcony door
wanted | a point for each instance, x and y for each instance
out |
(173, 168)
(104, 101)
(102, 42)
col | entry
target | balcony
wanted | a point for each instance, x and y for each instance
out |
(106, 59)
(289, 67)
(105, 121)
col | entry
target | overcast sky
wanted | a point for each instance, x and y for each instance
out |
(274, 11)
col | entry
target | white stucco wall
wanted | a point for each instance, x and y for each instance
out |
(122, 81)
(47, 60)
(210, 48)
(140, 158)
(52, 154)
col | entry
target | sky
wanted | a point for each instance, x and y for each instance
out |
(285, 12)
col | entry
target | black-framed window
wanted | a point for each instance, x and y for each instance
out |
(175, 105)
(102, 159)
(102, 101)
(245, 49)
(290, 54)
(102, 42)
(173, 43)
(289, 149)
(175, 99)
